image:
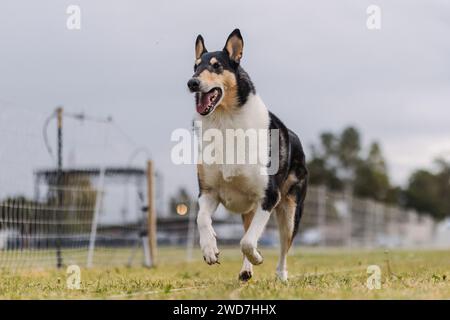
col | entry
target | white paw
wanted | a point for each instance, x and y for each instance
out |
(210, 251)
(282, 275)
(249, 250)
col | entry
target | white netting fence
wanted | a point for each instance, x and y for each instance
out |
(90, 211)
(330, 219)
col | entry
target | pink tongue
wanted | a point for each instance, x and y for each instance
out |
(203, 103)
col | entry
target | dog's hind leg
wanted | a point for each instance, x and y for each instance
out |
(288, 214)
(285, 213)
(247, 268)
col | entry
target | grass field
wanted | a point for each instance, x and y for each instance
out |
(314, 274)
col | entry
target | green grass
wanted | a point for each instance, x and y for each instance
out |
(315, 274)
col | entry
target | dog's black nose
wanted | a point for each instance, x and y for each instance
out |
(194, 85)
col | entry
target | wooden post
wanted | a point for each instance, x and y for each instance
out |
(151, 218)
(322, 213)
(59, 183)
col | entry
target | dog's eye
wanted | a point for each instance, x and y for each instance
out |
(195, 67)
(216, 65)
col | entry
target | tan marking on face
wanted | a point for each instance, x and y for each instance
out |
(230, 98)
(197, 62)
(213, 60)
(226, 80)
(208, 78)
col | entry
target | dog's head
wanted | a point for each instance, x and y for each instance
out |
(215, 75)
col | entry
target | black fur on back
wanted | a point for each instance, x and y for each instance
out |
(291, 162)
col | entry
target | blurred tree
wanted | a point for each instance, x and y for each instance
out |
(339, 163)
(348, 150)
(430, 192)
(323, 164)
(319, 174)
(375, 158)
(396, 195)
(371, 178)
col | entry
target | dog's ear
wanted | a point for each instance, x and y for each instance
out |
(199, 47)
(234, 46)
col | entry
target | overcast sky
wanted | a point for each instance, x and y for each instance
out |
(315, 64)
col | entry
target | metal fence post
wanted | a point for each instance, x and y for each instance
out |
(98, 207)
(151, 220)
(321, 213)
(191, 231)
(349, 201)
(59, 184)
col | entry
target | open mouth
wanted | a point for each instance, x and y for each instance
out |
(207, 101)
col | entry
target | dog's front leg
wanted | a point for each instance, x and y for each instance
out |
(249, 242)
(207, 206)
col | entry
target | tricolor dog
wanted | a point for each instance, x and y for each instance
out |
(226, 99)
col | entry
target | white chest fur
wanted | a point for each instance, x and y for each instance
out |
(238, 185)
